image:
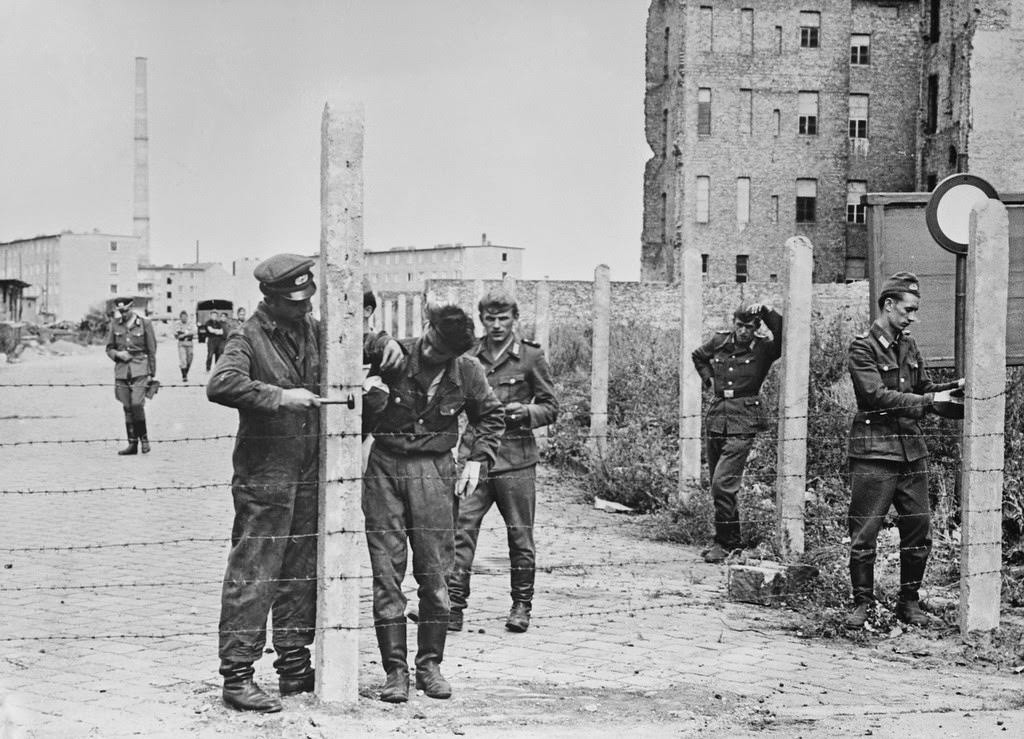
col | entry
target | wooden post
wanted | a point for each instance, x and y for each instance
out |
(691, 318)
(542, 320)
(599, 362)
(984, 413)
(341, 270)
(401, 333)
(417, 316)
(791, 468)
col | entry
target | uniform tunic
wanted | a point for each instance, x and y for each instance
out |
(888, 455)
(272, 562)
(135, 336)
(735, 373)
(520, 374)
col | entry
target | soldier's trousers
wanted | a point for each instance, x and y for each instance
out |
(515, 493)
(727, 456)
(875, 485)
(409, 500)
(271, 566)
(185, 351)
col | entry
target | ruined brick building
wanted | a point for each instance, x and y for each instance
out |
(769, 118)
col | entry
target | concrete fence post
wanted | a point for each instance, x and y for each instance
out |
(984, 415)
(417, 316)
(478, 294)
(791, 467)
(508, 282)
(402, 331)
(339, 540)
(691, 318)
(542, 320)
(599, 363)
(389, 316)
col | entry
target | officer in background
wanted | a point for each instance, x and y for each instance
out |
(270, 372)
(519, 375)
(887, 451)
(216, 335)
(131, 345)
(733, 365)
(410, 487)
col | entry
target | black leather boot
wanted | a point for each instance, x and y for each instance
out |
(143, 432)
(458, 594)
(295, 673)
(862, 579)
(241, 693)
(133, 440)
(430, 636)
(391, 639)
(519, 617)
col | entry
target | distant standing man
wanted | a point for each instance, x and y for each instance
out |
(131, 345)
(410, 490)
(520, 377)
(888, 455)
(733, 365)
(215, 337)
(185, 333)
(270, 372)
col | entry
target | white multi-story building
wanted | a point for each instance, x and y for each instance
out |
(405, 269)
(175, 288)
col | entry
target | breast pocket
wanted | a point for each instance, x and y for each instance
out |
(513, 388)
(890, 376)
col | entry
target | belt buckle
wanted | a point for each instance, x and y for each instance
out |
(728, 393)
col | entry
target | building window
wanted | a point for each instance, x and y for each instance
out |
(664, 217)
(778, 39)
(860, 49)
(741, 268)
(409, 278)
(777, 121)
(704, 265)
(806, 199)
(747, 111)
(168, 280)
(807, 109)
(932, 122)
(746, 30)
(668, 34)
(169, 309)
(775, 209)
(810, 25)
(858, 116)
(707, 28)
(931, 182)
(113, 289)
(855, 209)
(703, 199)
(935, 20)
(113, 268)
(743, 200)
(113, 246)
(704, 111)
(504, 256)
(664, 132)
(170, 295)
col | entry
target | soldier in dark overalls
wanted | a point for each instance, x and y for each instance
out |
(519, 374)
(888, 455)
(410, 488)
(131, 344)
(270, 372)
(733, 365)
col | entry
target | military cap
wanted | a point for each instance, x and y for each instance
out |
(287, 276)
(124, 301)
(901, 282)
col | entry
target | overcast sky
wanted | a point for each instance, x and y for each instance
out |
(520, 118)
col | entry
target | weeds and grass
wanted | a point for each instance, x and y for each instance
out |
(640, 466)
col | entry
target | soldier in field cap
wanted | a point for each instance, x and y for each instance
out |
(270, 372)
(131, 344)
(887, 452)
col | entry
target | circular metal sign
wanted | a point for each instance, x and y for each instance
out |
(948, 212)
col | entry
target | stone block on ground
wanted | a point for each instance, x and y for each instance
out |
(767, 583)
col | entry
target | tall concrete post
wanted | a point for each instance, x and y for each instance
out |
(508, 282)
(389, 316)
(478, 294)
(791, 468)
(542, 320)
(402, 318)
(599, 362)
(417, 316)
(984, 413)
(140, 206)
(340, 541)
(691, 320)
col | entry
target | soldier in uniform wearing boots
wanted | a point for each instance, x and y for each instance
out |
(131, 345)
(887, 452)
(519, 375)
(733, 365)
(411, 485)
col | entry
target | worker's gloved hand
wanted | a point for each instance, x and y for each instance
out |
(948, 396)
(468, 480)
(298, 398)
(392, 356)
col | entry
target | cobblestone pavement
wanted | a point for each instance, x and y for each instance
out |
(109, 604)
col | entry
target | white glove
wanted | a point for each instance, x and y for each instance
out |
(468, 480)
(946, 396)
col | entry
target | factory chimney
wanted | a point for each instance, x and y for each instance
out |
(140, 213)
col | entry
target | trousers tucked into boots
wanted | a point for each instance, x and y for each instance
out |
(295, 672)
(242, 693)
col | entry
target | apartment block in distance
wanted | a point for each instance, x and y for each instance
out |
(405, 269)
(175, 288)
(770, 118)
(69, 273)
